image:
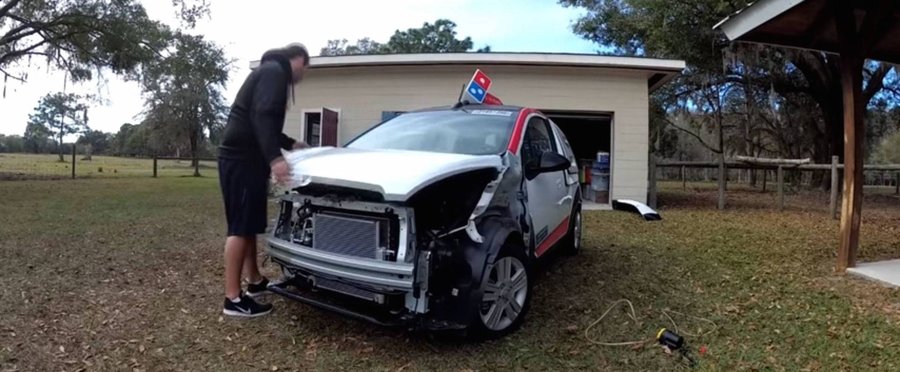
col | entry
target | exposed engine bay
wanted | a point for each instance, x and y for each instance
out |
(404, 257)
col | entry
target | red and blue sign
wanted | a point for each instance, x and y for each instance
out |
(478, 87)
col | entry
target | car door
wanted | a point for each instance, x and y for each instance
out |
(547, 192)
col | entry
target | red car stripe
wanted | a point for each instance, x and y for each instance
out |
(516, 140)
(553, 238)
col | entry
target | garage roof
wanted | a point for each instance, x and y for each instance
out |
(660, 71)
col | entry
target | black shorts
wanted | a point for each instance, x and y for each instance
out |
(245, 189)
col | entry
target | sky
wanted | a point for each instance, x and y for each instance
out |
(246, 31)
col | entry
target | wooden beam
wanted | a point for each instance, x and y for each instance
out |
(817, 28)
(875, 24)
(854, 134)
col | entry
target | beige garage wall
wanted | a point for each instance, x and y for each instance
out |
(362, 93)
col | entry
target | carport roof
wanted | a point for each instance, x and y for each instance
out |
(660, 71)
(811, 25)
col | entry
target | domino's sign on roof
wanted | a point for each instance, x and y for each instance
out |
(478, 87)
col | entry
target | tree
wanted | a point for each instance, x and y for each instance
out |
(362, 46)
(85, 36)
(36, 137)
(439, 37)
(888, 151)
(95, 142)
(12, 144)
(61, 114)
(807, 81)
(183, 91)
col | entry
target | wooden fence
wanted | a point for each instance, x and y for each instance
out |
(156, 160)
(835, 167)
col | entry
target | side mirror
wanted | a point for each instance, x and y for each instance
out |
(550, 162)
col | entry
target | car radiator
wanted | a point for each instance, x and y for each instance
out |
(349, 235)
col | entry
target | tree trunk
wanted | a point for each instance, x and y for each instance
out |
(195, 161)
(60, 148)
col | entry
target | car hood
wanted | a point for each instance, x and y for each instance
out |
(396, 175)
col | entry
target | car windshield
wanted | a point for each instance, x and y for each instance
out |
(472, 132)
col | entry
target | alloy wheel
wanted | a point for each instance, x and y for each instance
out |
(505, 293)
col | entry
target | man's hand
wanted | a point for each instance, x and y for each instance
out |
(281, 171)
(300, 145)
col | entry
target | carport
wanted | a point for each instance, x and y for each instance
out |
(853, 31)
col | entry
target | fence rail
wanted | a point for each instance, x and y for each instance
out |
(723, 171)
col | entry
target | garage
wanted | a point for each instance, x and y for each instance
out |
(601, 103)
(590, 135)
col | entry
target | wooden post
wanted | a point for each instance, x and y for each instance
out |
(722, 179)
(897, 183)
(765, 178)
(683, 177)
(154, 166)
(854, 137)
(780, 188)
(652, 198)
(832, 207)
(73, 159)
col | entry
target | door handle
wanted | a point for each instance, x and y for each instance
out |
(564, 200)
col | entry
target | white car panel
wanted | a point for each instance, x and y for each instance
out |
(396, 174)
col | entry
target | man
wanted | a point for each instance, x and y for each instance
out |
(249, 153)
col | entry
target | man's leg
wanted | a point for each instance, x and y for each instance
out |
(236, 248)
(251, 269)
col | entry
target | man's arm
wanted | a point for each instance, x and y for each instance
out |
(269, 97)
(287, 143)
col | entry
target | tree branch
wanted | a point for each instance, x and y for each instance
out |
(9, 5)
(8, 57)
(14, 77)
(702, 142)
(876, 82)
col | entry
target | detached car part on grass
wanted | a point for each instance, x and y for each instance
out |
(432, 219)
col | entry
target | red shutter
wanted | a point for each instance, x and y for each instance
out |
(329, 127)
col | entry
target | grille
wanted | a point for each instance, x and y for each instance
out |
(346, 236)
(336, 286)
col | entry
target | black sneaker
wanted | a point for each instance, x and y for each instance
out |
(246, 307)
(258, 289)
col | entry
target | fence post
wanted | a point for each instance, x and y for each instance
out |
(73, 160)
(780, 188)
(897, 183)
(765, 173)
(723, 175)
(684, 177)
(154, 166)
(652, 197)
(834, 187)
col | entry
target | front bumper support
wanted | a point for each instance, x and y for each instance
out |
(345, 311)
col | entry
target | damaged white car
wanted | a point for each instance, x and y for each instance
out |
(432, 219)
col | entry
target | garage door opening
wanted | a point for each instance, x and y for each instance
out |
(590, 135)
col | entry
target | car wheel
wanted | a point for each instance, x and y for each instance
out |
(506, 294)
(572, 242)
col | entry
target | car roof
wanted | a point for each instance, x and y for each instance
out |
(472, 107)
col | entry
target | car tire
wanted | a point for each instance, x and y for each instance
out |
(504, 292)
(573, 240)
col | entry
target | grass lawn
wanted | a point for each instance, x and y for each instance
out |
(122, 274)
(44, 166)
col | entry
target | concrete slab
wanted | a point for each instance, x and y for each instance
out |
(887, 272)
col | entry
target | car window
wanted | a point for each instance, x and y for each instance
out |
(450, 131)
(538, 139)
(566, 149)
